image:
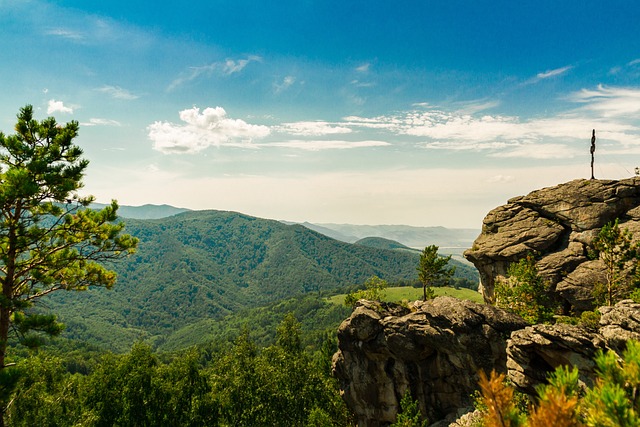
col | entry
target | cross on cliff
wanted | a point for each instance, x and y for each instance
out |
(593, 150)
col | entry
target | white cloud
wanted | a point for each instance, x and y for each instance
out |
(317, 145)
(312, 128)
(363, 68)
(200, 130)
(117, 92)
(58, 107)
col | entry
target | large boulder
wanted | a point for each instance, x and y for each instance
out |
(558, 224)
(435, 349)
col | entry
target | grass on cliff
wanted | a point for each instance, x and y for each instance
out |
(410, 293)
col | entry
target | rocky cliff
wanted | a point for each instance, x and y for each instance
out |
(557, 224)
(435, 349)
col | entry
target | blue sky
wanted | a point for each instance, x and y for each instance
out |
(415, 112)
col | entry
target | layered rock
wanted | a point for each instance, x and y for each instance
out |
(436, 350)
(558, 224)
(535, 351)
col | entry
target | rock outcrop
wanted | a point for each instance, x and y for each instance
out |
(435, 349)
(558, 224)
(535, 351)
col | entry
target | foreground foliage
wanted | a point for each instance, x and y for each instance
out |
(614, 399)
(374, 291)
(239, 385)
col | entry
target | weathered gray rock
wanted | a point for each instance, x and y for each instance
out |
(537, 350)
(436, 349)
(620, 324)
(558, 224)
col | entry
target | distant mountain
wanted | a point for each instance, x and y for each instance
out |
(453, 241)
(382, 243)
(144, 211)
(206, 264)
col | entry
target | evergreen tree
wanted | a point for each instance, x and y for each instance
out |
(432, 269)
(616, 249)
(49, 240)
(524, 292)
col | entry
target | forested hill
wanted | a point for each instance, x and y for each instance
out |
(206, 264)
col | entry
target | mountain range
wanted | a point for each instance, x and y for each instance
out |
(199, 266)
(449, 240)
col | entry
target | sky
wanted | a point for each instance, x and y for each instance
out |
(419, 112)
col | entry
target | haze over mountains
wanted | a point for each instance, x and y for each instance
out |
(449, 240)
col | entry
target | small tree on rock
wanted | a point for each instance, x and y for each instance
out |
(524, 292)
(433, 269)
(616, 249)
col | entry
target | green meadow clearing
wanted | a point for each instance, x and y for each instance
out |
(409, 293)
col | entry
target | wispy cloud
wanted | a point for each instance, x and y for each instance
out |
(65, 33)
(58, 107)
(473, 107)
(117, 92)
(201, 130)
(363, 68)
(312, 128)
(553, 73)
(101, 122)
(232, 66)
(612, 111)
(549, 74)
(286, 83)
(318, 145)
(609, 101)
(538, 151)
(223, 68)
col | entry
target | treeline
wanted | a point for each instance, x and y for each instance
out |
(240, 384)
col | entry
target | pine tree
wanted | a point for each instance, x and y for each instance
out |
(49, 239)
